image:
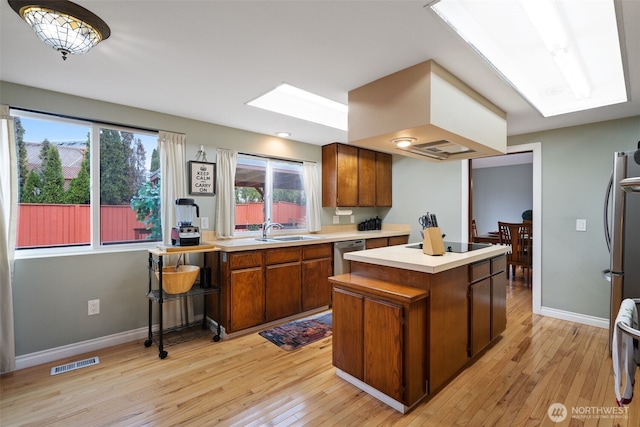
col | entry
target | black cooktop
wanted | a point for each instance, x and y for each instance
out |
(457, 247)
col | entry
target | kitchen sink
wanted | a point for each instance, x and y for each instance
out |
(292, 238)
(285, 238)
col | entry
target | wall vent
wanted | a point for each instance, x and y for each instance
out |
(74, 365)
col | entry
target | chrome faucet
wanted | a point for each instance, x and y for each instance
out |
(267, 225)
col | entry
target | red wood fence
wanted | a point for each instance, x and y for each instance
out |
(42, 225)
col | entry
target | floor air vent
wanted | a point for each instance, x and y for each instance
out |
(74, 365)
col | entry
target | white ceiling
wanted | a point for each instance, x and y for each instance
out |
(205, 59)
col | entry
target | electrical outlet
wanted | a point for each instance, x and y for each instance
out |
(204, 222)
(581, 225)
(353, 219)
(94, 307)
(336, 219)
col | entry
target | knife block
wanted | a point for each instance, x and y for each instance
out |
(433, 243)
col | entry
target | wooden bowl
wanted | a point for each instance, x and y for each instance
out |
(180, 280)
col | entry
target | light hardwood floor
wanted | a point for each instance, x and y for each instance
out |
(248, 381)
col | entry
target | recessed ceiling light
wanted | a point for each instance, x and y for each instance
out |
(283, 134)
(403, 142)
(561, 55)
(298, 103)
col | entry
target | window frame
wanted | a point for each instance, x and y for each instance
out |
(95, 245)
(268, 196)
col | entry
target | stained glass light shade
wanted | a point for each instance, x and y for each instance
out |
(65, 26)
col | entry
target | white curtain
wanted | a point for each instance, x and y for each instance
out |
(311, 188)
(8, 218)
(173, 185)
(226, 203)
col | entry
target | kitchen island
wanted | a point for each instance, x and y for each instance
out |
(406, 323)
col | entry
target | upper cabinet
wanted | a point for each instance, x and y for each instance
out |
(355, 177)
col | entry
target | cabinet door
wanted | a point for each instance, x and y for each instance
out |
(383, 179)
(347, 179)
(498, 304)
(378, 242)
(366, 177)
(348, 331)
(246, 298)
(316, 290)
(480, 315)
(282, 290)
(383, 347)
(398, 240)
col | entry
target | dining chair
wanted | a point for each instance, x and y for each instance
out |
(474, 229)
(519, 237)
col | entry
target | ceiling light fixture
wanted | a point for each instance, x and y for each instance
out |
(63, 25)
(283, 134)
(403, 142)
(294, 102)
(562, 56)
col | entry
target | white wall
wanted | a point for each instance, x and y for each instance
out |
(501, 194)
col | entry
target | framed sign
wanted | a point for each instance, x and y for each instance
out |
(202, 178)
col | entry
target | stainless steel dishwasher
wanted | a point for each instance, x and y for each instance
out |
(341, 265)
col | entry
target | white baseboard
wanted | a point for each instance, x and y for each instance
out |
(53, 354)
(585, 319)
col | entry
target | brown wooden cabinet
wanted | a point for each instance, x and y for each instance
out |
(448, 325)
(498, 296)
(348, 332)
(487, 302)
(366, 177)
(379, 335)
(353, 177)
(246, 288)
(260, 286)
(339, 175)
(479, 315)
(380, 242)
(383, 179)
(317, 266)
(376, 242)
(283, 282)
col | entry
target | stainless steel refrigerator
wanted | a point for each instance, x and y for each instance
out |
(622, 230)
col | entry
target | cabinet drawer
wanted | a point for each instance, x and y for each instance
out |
(498, 264)
(317, 251)
(247, 259)
(479, 270)
(282, 255)
(398, 240)
(378, 242)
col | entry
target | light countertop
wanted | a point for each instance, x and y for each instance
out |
(332, 235)
(406, 258)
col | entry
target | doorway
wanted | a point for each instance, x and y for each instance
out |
(536, 182)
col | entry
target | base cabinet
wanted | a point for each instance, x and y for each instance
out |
(348, 332)
(260, 286)
(317, 266)
(487, 302)
(379, 335)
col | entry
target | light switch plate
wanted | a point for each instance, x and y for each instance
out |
(336, 219)
(204, 222)
(581, 225)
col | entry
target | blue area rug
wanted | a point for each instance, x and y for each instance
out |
(296, 334)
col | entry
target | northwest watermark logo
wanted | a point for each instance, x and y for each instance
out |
(558, 412)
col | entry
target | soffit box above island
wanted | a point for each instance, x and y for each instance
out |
(446, 119)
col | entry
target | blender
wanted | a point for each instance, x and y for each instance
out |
(185, 233)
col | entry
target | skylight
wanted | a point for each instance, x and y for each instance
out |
(561, 55)
(298, 103)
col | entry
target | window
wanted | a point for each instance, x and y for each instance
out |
(269, 189)
(66, 166)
